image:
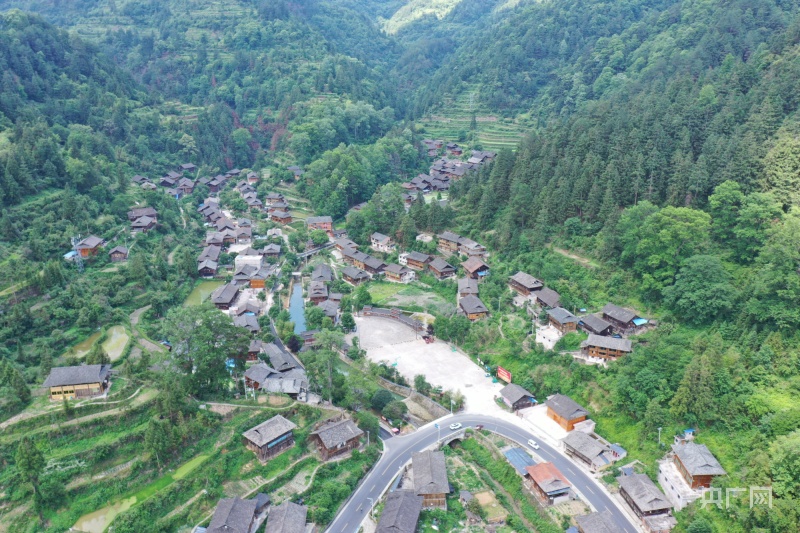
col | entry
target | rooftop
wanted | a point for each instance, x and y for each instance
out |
(595, 323)
(430, 473)
(548, 477)
(562, 316)
(566, 407)
(471, 304)
(597, 523)
(268, 431)
(611, 343)
(334, 434)
(644, 493)
(400, 513)
(527, 281)
(288, 517)
(619, 313)
(513, 392)
(77, 375)
(698, 460)
(233, 515)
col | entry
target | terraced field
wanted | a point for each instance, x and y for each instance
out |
(454, 117)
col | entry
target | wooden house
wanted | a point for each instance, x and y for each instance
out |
(417, 261)
(471, 248)
(475, 268)
(342, 243)
(448, 242)
(224, 297)
(207, 268)
(593, 324)
(591, 451)
(143, 224)
(546, 298)
(398, 274)
(467, 287)
(336, 437)
(696, 464)
(430, 478)
(547, 483)
(322, 273)
(187, 167)
(139, 212)
(400, 513)
(472, 307)
(325, 223)
(622, 319)
(295, 170)
(118, 253)
(524, 284)
(274, 197)
(89, 246)
(270, 438)
(565, 411)
(281, 217)
(83, 381)
(185, 185)
(605, 347)
(454, 149)
(354, 276)
(516, 397)
(331, 310)
(598, 522)
(233, 515)
(646, 501)
(441, 269)
(562, 320)
(373, 265)
(382, 243)
(287, 517)
(317, 292)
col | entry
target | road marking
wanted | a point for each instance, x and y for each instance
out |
(589, 488)
(373, 487)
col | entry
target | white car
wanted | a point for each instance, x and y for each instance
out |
(455, 426)
(533, 444)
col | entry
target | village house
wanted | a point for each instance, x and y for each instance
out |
(271, 250)
(336, 437)
(139, 180)
(546, 298)
(354, 276)
(281, 360)
(247, 321)
(148, 186)
(187, 167)
(118, 253)
(448, 242)
(441, 269)
(356, 258)
(382, 243)
(287, 517)
(467, 287)
(593, 324)
(373, 265)
(649, 503)
(281, 217)
(472, 307)
(623, 320)
(325, 223)
(400, 512)
(331, 310)
(454, 149)
(398, 274)
(697, 464)
(224, 297)
(89, 246)
(562, 320)
(210, 252)
(593, 451)
(416, 260)
(185, 185)
(207, 268)
(143, 224)
(565, 411)
(258, 279)
(471, 248)
(605, 347)
(475, 268)
(83, 381)
(322, 272)
(139, 212)
(516, 397)
(235, 515)
(277, 206)
(295, 170)
(254, 349)
(342, 243)
(274, 197)
(547, 483)
(430, 479)
(270, 438)
(252, 178)
(317, 292)
(602, 522)
(292, 382)
(524, 283)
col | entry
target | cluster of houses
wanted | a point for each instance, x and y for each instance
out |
(235, 515)
(90, 247)
(177, 184)
(142, 219)
(283, 374)
(319, 292)
(605, 329)
(226, 230)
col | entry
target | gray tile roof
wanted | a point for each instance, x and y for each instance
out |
(268, 431)
(440, 265)
(418, 256)
(611, 343)
(450, 236)
(279, 359)
(288, 517)
(430, 473)
(317, 289)
(698, 460)
(120, 249)
(354, 273)
(374, 263)
(548, 297)
(319, 220)
(380, 238)
(595, 323)
(644, 493)
(584, 444)
(527, 281)
(513, 392)
(334, 434)
(472, 305)
(322, 272)
(619, 313)
(548, 477)
(467, 286)
(77, 375)
(562, 316)
(259, 373)
(597, 523)
(395, 269)
(90, 242)
(401, 512)
(331, 309)
(225, 294)
(233, 515)
(473, 264)
(566, 407)
(247, 321)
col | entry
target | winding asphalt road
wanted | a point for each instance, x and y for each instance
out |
(398, 450)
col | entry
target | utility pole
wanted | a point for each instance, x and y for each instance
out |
(367, 438)
(659, 437)
(371, 507)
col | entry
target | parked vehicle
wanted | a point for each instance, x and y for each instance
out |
(533, 444)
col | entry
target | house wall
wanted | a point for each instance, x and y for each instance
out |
(476, 316)
(519, 288)
(696, 482)
(266, 452)
(448, 246)
(434, 501)
(563, 328)
(117, 257)
(257, 283)
(328, 453)
(76, 391)
(416, 265)
(569, 425)
(605, 353)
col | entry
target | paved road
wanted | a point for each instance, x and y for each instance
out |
(399, 449)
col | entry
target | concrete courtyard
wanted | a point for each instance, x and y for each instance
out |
(390, 341)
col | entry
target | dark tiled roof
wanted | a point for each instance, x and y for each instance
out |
(585, 444)
(259, 373)
(611, 343)
(619, 313)
(597, 523)
(472, 304)
(354, 273)
(644, 493)
(225, 294)
(467, 286)
(118, 249)
(334, 434)
(268, 431)
(566, 407)
(288, 517)
(440, 265)
(233, 515)
(595, 323)
(430, 473)
(331, 309)
(562, 316)
(322, 273)
(77, 375)
(319, 220)
(418, 256)
(450, 236)
(473, 264)
(698, 460)
(90, 242)
(401, 512)
(380, 237)
(548, 297)
(513, 392)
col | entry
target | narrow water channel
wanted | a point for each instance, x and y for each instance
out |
(296, 308)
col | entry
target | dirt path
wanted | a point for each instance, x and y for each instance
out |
(138, 313)
(137, 335)
(584, 261)
(183, 217)
(171, 257)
